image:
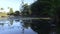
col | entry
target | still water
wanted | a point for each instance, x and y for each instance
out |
(15, 26)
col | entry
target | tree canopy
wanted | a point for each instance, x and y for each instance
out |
(11, 10)
(45, 8)
(26, 10)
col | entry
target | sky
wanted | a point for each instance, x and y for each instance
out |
(15, 4)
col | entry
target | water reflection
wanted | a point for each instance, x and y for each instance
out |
(41, 26)
(15, 26)
(11, 22)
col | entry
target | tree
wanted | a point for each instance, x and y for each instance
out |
(40, 8)
(17, 13)
(2, 8)
(11, 11)
(26, 10)
(44, 8)
(47, 8)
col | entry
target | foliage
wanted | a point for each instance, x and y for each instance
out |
(47, 8)
(44, 8)
(26, 10)
(17, 13)
(2, 8)
(40, 9)
(11, 10)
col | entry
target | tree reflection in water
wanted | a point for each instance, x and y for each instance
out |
(40, 26)
(11, 22)
(26, 23)
(2, 24)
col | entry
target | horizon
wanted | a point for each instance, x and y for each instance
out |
(15, 4)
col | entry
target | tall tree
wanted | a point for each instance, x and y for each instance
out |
(26, 10)
(46, 8)
(40, 8)
(11, 11)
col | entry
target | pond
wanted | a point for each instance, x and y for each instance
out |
(17, 26)
(14, 26)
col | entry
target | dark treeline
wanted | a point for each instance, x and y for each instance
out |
(45, 8)
(16, 13)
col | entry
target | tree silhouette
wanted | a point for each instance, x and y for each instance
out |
(11, 11)
(17, 13)
(2, 8)
(26, 10)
